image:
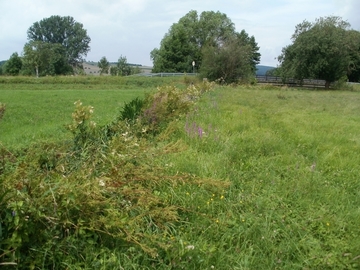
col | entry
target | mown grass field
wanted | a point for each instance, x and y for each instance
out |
(39, 109)
(35, 115)
(251, 177)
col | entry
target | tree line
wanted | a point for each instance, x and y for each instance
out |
(120, 68)
(56, 45)
(206, 44)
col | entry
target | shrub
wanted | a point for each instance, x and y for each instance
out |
(170, 103)
(342, 84)
(131, 110)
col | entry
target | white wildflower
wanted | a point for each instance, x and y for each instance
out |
(101, 183)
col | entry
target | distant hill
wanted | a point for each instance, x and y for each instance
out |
(261, 70)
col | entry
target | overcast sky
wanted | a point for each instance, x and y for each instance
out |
(133, 28)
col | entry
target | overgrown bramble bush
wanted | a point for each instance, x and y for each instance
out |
(170, 103)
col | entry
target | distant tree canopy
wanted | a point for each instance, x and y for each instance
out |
(13, 65)
(104, 65)
(354, 66)
(325, 49)
(227, 62)
(123, 68)
(1, 67)
(199, 39)
(64, 31)
(45, 58)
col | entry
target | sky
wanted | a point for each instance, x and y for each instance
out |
(133, 28)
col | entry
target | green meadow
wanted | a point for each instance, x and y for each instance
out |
(208, 177)
(39, 109)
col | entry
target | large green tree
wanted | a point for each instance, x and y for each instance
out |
(324, 49)
(13, 65)
(185, 42)
(65, 31)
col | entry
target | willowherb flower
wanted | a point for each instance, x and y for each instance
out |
(200, 132)
(313, 166)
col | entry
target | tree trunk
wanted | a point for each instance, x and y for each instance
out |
(327, 84)
(37, 71)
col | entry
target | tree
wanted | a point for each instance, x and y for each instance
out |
(114, 71)
(354, 66)
(176, 53)
(45, 58)
(320, 50)
(123, 67)
(104, 65)
(187, 40)
(13, 65)
(65, 31)
(228, 62)
(254, 55)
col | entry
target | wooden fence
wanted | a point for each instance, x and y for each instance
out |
(165, 74)
(307, 83)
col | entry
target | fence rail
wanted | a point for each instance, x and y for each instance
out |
(307, 83)
(165, 74)
(310, 83)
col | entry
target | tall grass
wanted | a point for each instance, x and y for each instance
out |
(292, 160)
(242, 178)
